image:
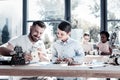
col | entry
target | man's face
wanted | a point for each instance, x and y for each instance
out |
(36, 33)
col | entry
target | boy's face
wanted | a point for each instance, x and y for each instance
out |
(86, 38)
(62, 35)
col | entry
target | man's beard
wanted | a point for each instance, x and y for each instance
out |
(32, 38)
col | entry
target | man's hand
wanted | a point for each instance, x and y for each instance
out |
(27, 57)
(42, 55)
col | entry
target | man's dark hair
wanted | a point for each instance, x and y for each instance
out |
(39, 23)
(106, 34)
(65, 26)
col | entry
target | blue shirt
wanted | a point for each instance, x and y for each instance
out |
(69, 49)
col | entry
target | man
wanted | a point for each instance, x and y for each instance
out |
(29, 42)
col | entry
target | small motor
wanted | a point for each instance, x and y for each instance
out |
(18, 56)
(115, 59)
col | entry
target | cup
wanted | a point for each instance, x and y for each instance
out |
(35, 57)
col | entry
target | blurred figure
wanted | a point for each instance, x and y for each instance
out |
(86, 44)
(104, 45)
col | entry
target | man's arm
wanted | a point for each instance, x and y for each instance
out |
(5, 51)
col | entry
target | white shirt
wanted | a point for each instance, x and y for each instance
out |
(87, 47)
(26, 44)
(103, 47)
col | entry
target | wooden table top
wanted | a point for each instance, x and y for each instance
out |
(107, 71)
(62, 70)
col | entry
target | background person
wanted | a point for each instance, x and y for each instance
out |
(104, 45)
(86, 44)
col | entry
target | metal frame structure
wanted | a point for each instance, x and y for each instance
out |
(103, 5)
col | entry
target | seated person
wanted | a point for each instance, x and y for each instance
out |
(28, 43)
(66, 49)
(31, 44)
(104, 46)
(86, 44)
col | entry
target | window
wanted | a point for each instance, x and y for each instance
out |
(10, 19)
(45, 9)
(113, 19)
(51, 12)
(86, 17)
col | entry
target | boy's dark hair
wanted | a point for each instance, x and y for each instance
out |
(39, 23)
(86, 34)
(105, 33)
(65, 26)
